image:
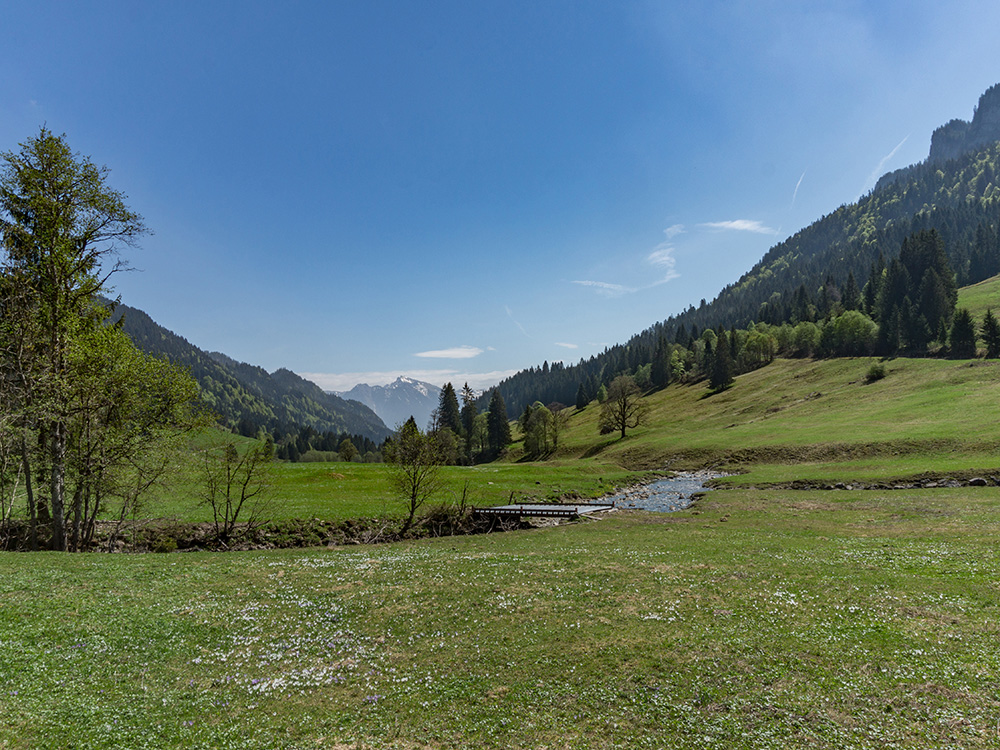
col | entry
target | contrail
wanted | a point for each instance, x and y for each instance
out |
(797, 186)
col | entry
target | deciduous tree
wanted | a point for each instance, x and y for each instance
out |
(624, 408)
(415, 461)
(236, 485)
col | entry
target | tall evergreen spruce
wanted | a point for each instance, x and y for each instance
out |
(851, 299)
(498, 428)
(449, 415)
(721, 375)
(659, 373)
(469, 414)
(990, 334)
(963, 335)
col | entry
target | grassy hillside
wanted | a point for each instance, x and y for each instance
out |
(976, 298)
(925, 415)
(762, 617)
(792, 420)
(957, 199)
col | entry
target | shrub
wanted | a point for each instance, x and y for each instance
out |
(875, 372)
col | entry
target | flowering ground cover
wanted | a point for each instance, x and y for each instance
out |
(774, 619)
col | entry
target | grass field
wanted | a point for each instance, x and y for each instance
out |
(762, 620)
(339, 491)
(978, 297)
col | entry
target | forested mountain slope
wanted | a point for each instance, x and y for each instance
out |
(246, 397)
(958, 197)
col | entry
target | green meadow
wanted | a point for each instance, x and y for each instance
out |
(340, 491)
(760, 619)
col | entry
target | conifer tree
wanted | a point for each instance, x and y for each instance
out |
(449, 415)
(872, 292)
(721, 373)
(659, 373)
(990, 334)
(469, 413)
(498, 428)
(963, 335)
(852, 295)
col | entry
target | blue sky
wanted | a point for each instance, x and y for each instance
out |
(458, 190)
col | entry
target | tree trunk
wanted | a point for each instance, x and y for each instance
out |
(77, 510)
(29, 493)
(58, 487)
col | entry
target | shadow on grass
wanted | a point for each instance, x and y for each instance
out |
(598, 448)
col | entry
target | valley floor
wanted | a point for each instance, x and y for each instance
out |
(757, 619)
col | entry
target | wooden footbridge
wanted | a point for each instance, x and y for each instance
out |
(543, 510)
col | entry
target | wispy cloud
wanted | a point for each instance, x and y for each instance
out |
(607, 289)
(740, 225)
(566, 346)
(456, 352)
(798, 184)
(661, 258)
(344, 381)
(880, 169)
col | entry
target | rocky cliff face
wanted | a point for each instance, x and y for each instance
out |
(958, 136)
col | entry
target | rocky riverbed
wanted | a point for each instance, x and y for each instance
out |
(667, 494)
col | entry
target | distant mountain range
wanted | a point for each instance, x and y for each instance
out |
(398, 401)
(247, 398)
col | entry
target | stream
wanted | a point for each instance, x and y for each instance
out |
(665, 495)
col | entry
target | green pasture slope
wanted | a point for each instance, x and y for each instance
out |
(818, 419)
(978, 297)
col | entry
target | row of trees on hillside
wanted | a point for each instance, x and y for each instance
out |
(306, 444)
